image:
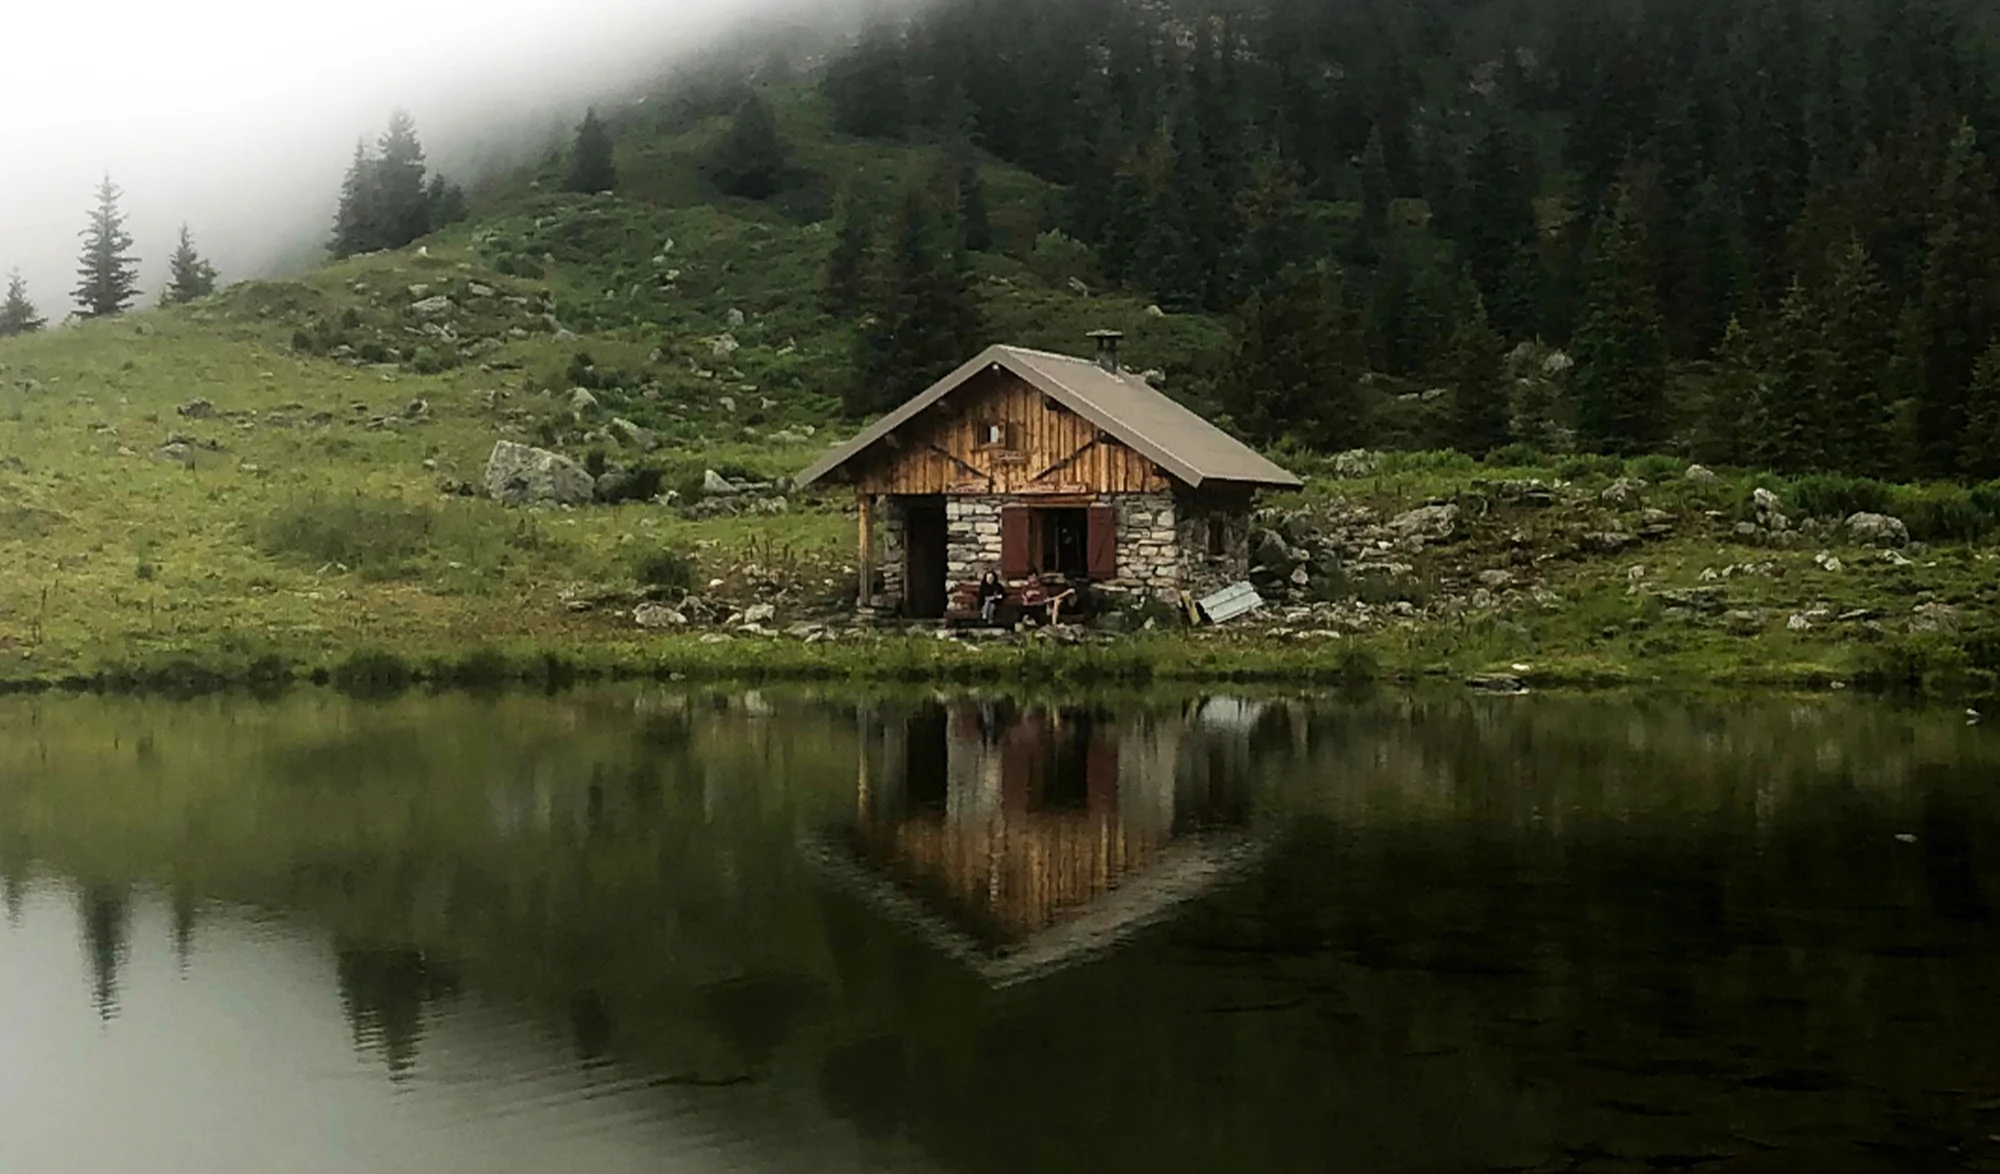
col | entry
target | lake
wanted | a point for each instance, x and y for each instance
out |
(642, 929)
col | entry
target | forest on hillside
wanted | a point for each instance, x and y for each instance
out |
(1762, 231)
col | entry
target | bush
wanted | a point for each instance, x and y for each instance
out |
(1590, 466)
(1058, 259)
(1516, 456)
(1656, 468)
(376, 537)
(1836, 495)
(670, 568)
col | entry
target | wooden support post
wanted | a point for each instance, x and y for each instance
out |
(865, 562)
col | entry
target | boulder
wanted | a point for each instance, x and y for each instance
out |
(735, 318)
(1357, 462)
(1430, 523)
(1701, 475)
(432, 307)
(581, 401)
(519, 474)
(714, 484)
(1496, 579)
(1623, 491)
(176, 453)
(658, 615)
(1934, 617)
(630, 434)
(1268, 549)
(1877, 530)
(762, 613)
(197, 409)
(1743, 622)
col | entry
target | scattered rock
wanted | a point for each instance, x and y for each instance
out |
(1934, 617)
(628, 433)
(735, 318)
(432, 307)
(1431, 523)
(658, 615)
(1356, 463)
(1623, 491)
(522, 475)
(724, 345)
(1702, 475)
(479, 291)
(1505, 683)
(1496, 579)
(762, 613)
(175, 452)
(1877, 530)
(1743, 622)
(715, 484)
(581, 401)
(197, 409)
(1798, 623)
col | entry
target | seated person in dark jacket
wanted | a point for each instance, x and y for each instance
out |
(1037, 598)
(991, 593)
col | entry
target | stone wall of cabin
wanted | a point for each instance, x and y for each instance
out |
(890, 564)
(972, 536)
(1204, 573)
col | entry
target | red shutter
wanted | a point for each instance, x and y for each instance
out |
(1103, 542)
(1013, 542)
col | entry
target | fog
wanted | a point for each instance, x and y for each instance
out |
(238, 117)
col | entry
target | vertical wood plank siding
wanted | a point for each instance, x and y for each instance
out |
(1053, 450)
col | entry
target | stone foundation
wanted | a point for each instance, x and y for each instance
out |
(1163, 544)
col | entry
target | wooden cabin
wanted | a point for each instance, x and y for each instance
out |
(1030, 463)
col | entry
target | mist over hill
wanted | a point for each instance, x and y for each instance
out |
(237, 120)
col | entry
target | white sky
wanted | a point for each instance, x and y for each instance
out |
(239, 116)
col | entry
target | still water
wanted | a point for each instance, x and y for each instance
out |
(642, 930)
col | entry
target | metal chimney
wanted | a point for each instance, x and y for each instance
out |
(1107, 349)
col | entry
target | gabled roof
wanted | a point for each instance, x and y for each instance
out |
(1189, 448)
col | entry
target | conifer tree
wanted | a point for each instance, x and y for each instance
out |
(1979, 454)
(975, 223)
(847, 264)
(1475, 367)
(924, 319)
(868, 87)
(1376, 189)
(1620, 351)
(1960, 306)
(591, 169)
(401, 206)
(17, 313)
(108, 274)
(446, 201)
(1723, 434)
(1788, 417)
(1502, 235)
(1856, 324)
(354, 221)
(1297, 363)
(190, 275)
(749, 162)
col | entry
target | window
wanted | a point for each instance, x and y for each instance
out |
(993, 434)
(1218, 536)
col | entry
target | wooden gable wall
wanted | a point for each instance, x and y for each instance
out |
(1049, 449)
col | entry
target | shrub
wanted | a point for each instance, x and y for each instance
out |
(1836, 495)
(376, 537)
(1590, 465)
(1656, 468)
(1516, 456)
(1058, 259)
(669, 568)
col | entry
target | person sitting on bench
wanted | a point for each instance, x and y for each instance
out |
(1036, 598)
(992, 592)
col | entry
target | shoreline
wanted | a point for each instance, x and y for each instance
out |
(921, 658)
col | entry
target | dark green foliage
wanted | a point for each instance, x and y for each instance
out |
(749, 161)
(17, 314)
(108, 274)
(190, 275)
(975, 225)
(388, 199)
(1787, 416)
(1979, 452)
(1960, 304)
(1502, 237)
(921, 319)
(847, 263)
(591, 169)
(670, 568)
(1475, 368)
(868, 86)
(1620, 350)
(1297, 364)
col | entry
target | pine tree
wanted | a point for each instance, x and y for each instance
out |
(446, 202)
(1475, 366)
(1297, 363)
(1723, 434)
(354, 222)
(1856, 322)
(1502, 235)
(191, 276)
(1620, 350)
(847, 264)
(868, 86)
(1960, 306)
(1788, 416)
(401, 207)
(17, 313)
(975, 222)
(1979, 453)
(749, 161)
(1376, 189)
(591, 169)
(108, 274)
(924, 319)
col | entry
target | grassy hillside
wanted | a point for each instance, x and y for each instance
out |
(276, 475)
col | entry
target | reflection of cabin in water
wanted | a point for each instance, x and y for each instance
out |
(1024, 462)
(1020, 839)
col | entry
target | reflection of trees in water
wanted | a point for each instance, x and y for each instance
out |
(183, 928)
(385, 992)
(13, 889)
(105, 914)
